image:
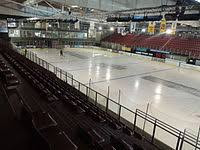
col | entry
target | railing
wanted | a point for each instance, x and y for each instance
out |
(153, 130)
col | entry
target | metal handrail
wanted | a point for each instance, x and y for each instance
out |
(181, 136)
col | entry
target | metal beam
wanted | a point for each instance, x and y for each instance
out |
(158, 9)
(28, 9)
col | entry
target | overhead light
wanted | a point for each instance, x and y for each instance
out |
(111, 28)
(144, 30)
(100, 28)
(34, 18)
(168, 31)
(74, 6)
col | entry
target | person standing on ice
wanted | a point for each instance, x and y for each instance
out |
(61, 52)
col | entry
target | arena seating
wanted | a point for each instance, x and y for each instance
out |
(65, 119)
(9, 80)
(173, 44)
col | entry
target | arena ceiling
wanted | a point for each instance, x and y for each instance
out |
(111, 5)
(96, 10)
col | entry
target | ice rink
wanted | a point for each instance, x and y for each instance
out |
(173, 93)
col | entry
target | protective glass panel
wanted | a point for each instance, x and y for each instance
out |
(83, 88)
(127, 115)
(188, 146)
(75, 84)
(91, 95)
(101, 101)
(51, 68)
(69, 80)
(166, 137)
(113, 109)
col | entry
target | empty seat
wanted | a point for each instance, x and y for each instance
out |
(52, 98)
(4, 69)
(58, 140)
(105, 147)
(113, 124)
(42, 120)
(96, 138)
(120, 144)
(127, 131)
(11, 82)
(71, 104)
(90, 136)
(138, 136)
(6, 73)
(137, 147)
(80, 110)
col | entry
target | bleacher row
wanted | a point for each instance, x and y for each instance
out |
(66, 119)
(173, 44)
(9, 80)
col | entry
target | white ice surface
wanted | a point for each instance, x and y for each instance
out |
(174, 106)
